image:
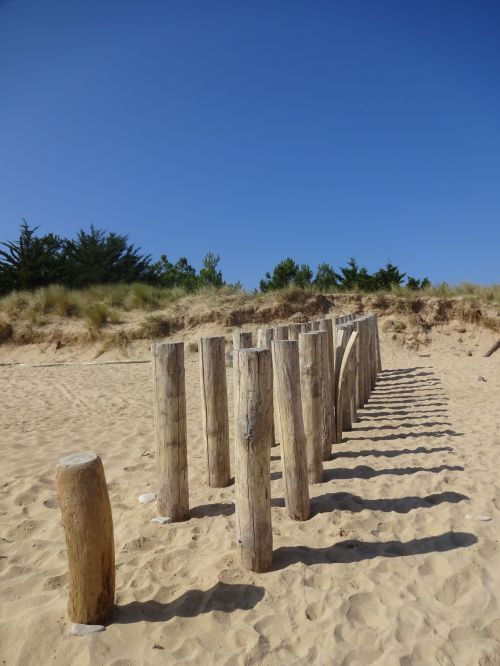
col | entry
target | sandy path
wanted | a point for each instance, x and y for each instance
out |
(389, 570)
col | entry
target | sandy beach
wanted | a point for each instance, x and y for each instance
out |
(399, 563)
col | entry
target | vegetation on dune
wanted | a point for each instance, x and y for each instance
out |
(99, 277)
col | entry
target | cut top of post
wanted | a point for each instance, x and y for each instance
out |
(78, 459)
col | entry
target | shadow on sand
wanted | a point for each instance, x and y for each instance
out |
(356, 551)
(221, 597)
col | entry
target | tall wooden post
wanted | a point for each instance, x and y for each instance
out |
(214, 410)
(326, 325)
(344, 395)
(379, 357)
(264, 338)
(294, 331)
(311, 355)
(281, 332)
(242, 339)
(252, 428)
(169, 412)
(88, 526)
(289, 410)
(339, 352)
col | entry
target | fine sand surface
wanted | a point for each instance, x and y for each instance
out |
(396, 565)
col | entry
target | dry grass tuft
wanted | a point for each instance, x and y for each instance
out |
(156, 328)
(96, 315)
(6, 331)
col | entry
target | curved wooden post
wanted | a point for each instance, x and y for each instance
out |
(169, 412)
(252, 428)
(214, 410)
(339, 352)
(88, 526)
(311, 355)
(348, 360)
(289, 410)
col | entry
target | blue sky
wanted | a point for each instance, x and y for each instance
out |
(259, 130)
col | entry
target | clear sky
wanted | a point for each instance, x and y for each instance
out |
(259, 130)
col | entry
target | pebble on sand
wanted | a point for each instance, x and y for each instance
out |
(477, 516)
(85, 629)
(147, 498)
(161, 520)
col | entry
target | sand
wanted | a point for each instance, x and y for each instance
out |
(397, 565)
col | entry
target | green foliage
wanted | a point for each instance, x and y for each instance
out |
(326, 278)
(97, 257)
(31, 261)
(210, 276)
(352, 277)
(415, 284)
(181, 274)
(287, 274)
(106, 262)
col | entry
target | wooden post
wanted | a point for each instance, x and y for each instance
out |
(379, 357)
(252, 428)
(281, 332)
(88, 526)
(289, 410)
(242, 339)
(169, 412)
(343, 387)
(311, 356)
(294, 331)
(339, 352)
(264, 338)
(214, 410)
(326, 325)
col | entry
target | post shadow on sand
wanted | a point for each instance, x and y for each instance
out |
(405, 435)
(418, 371)
(350, 551)
(388, 404)
(426, 424)
(414, 396)
(353, 503)
(427, 402)
(365, 472)
(223, 597)
(410, 414)
(391, 453)
(211, 510)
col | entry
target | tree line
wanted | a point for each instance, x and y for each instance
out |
(95, 256)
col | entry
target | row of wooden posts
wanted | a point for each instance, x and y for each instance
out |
(300, 386)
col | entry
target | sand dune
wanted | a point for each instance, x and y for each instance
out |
(396, 566)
